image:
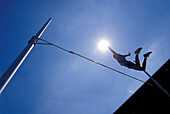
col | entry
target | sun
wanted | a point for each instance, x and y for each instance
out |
(103, 45)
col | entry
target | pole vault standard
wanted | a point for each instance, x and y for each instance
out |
(6, 77)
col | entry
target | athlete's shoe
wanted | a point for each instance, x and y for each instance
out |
(147, 54)
(138, 51)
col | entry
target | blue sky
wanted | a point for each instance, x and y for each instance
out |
(55, 82)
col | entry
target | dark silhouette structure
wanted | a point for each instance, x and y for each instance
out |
(150, 99)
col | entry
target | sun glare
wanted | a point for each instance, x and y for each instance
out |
(103, 45)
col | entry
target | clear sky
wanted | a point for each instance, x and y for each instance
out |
(54, 82)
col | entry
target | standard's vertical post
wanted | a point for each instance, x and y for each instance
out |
(6, 77)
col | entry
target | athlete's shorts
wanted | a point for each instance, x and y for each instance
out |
(129, 64)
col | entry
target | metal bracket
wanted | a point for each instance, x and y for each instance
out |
(33, 40)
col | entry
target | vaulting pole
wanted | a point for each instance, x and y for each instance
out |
(160, 87)
(6, 77)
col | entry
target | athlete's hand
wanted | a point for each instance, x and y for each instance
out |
(110, 48)
(129, 54)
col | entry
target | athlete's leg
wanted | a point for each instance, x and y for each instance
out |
(145, 59)
(137, 60)
(137, 64)
(137, 52)
(144, 63)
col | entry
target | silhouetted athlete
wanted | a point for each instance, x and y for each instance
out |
(122, 59)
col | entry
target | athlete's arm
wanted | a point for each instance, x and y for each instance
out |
(127, 55)
(112, 50)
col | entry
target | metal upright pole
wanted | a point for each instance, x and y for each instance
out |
(8, 74)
